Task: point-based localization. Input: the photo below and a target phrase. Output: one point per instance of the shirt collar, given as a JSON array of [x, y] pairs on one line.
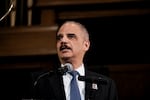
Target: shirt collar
[[81, 70]]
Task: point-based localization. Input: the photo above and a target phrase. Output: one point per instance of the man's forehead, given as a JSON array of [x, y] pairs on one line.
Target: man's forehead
[[69, 28]]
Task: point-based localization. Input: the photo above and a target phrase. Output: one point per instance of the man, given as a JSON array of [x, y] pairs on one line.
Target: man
[[72, 44]]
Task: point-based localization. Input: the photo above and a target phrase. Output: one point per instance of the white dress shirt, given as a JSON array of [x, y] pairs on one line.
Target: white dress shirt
[[81, 84]]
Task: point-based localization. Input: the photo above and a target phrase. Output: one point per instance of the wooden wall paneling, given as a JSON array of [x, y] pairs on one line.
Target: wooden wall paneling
[[78, 2], [76, 9], [48, 17], [100, 13], [21, 41]]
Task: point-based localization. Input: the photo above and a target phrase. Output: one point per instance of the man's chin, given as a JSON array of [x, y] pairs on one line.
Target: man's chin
[[65, 58]]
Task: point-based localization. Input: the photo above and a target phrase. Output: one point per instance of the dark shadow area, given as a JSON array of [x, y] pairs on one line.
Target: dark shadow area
[[18, 74], [15, 84], [118, 39]]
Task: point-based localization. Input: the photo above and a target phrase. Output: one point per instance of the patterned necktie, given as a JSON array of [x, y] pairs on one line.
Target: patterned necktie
[[74, 90]]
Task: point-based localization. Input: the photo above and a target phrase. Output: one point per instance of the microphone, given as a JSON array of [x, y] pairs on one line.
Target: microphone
[[92, 79], [65, 68], [41, 76], [62, 70]]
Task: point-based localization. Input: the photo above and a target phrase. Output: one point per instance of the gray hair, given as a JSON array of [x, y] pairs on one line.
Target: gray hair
[[82, 28]]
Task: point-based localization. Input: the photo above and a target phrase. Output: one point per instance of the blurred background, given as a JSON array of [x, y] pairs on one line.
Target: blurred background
[[119, 32]]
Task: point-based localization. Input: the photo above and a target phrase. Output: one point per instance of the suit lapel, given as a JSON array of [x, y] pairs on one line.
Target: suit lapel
[[87, 86], [58, 87], [87, 90]]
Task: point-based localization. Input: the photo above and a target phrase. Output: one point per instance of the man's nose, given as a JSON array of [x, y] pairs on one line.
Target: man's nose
[[64, 39]]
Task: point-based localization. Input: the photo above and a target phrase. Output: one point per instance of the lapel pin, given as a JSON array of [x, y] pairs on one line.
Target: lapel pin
[[94, 86]]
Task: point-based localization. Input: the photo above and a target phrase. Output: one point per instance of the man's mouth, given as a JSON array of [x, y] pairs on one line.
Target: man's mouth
[[64, 47]]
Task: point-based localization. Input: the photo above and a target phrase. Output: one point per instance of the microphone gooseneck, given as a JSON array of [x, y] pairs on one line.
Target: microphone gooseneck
[[41, 76], [61, 70]]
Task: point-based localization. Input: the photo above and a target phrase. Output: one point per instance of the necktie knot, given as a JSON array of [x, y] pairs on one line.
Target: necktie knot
[[74, 73]]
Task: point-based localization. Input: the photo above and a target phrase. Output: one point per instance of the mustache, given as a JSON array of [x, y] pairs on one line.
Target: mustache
[[62, 47]]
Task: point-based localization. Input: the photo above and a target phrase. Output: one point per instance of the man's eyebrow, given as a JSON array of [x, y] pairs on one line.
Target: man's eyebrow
[[71, 33]]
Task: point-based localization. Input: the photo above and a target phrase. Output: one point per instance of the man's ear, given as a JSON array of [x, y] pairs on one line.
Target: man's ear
[[87, 45]]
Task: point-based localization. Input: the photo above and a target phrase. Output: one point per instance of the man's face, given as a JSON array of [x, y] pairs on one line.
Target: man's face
[[71, 41]]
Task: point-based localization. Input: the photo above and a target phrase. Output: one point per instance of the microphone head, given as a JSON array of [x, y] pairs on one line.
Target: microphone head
[[69, 67], [65, 68]]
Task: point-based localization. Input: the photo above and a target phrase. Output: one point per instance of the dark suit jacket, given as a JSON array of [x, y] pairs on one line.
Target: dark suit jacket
[[50, 87]]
